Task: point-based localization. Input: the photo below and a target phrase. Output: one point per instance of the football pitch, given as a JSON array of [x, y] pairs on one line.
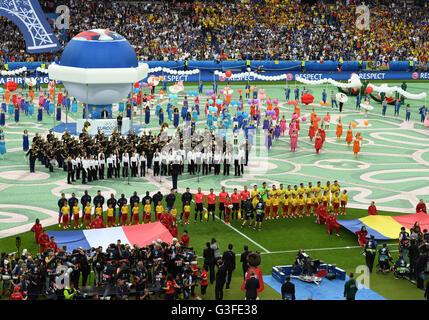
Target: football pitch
[[391, 169]]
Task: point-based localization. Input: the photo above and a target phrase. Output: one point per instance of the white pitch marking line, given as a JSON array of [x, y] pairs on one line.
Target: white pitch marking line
[[242, 234]]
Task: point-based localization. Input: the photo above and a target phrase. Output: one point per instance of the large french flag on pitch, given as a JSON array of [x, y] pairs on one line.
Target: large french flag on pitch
[[386, 227], [141, 235]]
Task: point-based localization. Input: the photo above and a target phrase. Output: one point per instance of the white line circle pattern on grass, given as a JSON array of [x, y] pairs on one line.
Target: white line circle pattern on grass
[[22, 175], [341, 164], [12, 217]]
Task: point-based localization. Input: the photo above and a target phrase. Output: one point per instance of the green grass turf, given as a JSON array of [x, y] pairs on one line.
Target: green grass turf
[[305, 233]]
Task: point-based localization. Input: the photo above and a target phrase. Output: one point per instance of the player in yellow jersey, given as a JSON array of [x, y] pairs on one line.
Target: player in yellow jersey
[[309, 203], [147, 209], [327, 189], [344, 198], [295, 191], [110, 216], [267, 207], [135, 214], [316, 200], [65, 210], [335, 187], [301, 190], [293, 203], [158, 211], [275, 204], [285, 209], [75, 210], [124, 214], [309, 188], [87, 210], [273, 191], [318, 189], [335, 202], [301, 202], [253, 194]]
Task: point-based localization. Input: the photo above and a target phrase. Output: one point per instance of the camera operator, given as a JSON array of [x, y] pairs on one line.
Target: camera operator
[[413, 255], [84, 266], [140, 280], [384, 257], [109, 274], [74, 260], [5, 270], [123, 272], [98, 263], [159, 274], [404, 242], [23, 284], [122, 290], [35, 279], [49, 274], [170, 257], [189, 283], [299, 259]]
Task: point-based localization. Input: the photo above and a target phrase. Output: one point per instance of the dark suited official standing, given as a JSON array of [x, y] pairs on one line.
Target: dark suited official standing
[[243, 260], [209, 260], [252, 286], [220, 280], [229, 259]]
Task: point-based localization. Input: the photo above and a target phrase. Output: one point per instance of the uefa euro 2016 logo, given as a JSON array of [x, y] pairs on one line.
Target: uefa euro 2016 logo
[[31, 21]]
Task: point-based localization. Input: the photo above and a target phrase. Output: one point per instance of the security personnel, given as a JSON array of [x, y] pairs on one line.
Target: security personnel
[[6, 66], [185, 65], [370, 252], [411, 65], [383, 259], [248, 65], [70, 292], [302, 65]]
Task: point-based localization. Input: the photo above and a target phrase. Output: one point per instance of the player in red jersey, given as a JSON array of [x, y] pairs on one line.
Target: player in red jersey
[[37, 229], [228, 209], [199, 203], [211, 204], [244, 195], [222, 198], [97, 223], [53, 245], [184, 238], [43, 240], [331, 224], [235, 197], [321, 213], [362, 236]]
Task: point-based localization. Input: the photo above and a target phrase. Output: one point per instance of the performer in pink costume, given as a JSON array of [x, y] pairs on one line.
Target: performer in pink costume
[[293, 140]]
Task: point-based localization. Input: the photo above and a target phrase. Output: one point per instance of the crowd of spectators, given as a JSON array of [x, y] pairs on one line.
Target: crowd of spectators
[[247, 29], [157, 271]]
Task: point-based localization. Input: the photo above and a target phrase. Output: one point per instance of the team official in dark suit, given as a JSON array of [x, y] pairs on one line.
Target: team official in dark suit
[[229, 259]]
